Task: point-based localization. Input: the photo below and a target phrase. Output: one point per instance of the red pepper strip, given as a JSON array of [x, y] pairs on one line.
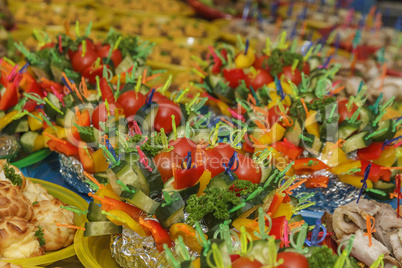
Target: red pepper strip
[[289, 149], [216, 68], [106, 91], [30, 106], [10, 97], [372, 152], [85, 154], [309, 164], [276, 202], [31, 86], [160, 235], [286, 199], [234, 76], [48, 85], [109, 203], [184, 178], [319, 181], [82, 118], [277, 226], [63, 147], [376, 172]]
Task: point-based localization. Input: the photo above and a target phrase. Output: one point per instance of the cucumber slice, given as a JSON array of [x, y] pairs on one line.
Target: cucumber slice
[[223, 249], [27, 141], [223, 181], [312, 144], [168, 214], [124, 65], [128, 176], [292, 134], [99, 228], [386, 187], [356, 142], [49, 110], [101, 177], [385, 130], [259, 250], [95, 213], [185, 193], [346, 129], [139, 199], [17, 126], [365, 117]]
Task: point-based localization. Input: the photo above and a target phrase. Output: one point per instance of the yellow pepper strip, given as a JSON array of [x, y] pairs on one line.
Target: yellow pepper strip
[[355, 181], [33, 123], [39, 143], [51, 131], [100, 163], [311, 124], [119, 217], [204, 180], [106, 191], [251, 226], [275, 134], [197, 263], [333, 155], [7, 119], [188, 234], [285, 209], [387, 157], [345, 166]]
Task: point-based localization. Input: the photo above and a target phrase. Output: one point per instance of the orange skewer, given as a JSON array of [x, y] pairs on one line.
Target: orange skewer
[[70, 226]]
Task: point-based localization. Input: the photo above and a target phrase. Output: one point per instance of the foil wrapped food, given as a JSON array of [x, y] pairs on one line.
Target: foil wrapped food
[[72, 172], [9, 147], [131, 250]]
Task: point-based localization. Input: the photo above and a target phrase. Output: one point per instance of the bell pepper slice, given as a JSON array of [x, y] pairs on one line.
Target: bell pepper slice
[[387, 157], [276, 202], [49, 85], [30, 106], [204, 180], [160, 235], [85, 154], [106, 91], [9, 98], [184, 178], [275, 134], [109, 203], [251, 226], [371, 152], [277, 226], [285, 209], [309, 164], [33, 123], [119, 217], [376, 172], [63, 147], [39, 143], [333, 155], [216, 68], [355, 181], [311, 124], [318, 181], [30, 85], [106, 191], [100, 163], [188, 234], [346, 166], [7, 119], [287, 148]]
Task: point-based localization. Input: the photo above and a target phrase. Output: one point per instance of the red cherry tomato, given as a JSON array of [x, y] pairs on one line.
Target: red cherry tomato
[[234, 76], [131, 102], [214, 161], [294, 76], [343, 110], [244, 262], [306, 68], [89, 45], [292, 260], [182, 146], [274, 114], [91, 73], [226, 150], [100, 113], [248, 170], [262, 78], [157, 96], [164, 162], [163, 118], [262, 63], [116, 56], [81, 63]]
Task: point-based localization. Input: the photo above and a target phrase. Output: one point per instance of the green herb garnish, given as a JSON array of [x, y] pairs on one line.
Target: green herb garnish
[[10, 174], [40, 236]]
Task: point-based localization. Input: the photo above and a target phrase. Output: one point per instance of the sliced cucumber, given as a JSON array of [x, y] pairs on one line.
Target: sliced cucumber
[[99, 228], [17, 126], [356, 142], [223, 181], [185, 193], [168, 214], [292, 134], [152, 178], [88, 134], [137, 198], [101, 177], [125, 173], [124, 65], [346, 129], [95, 213], [386, 187], [223, 249], [365, 117], [49, 110], [27, 141], [312, 144], [259, 250], [386, 130]]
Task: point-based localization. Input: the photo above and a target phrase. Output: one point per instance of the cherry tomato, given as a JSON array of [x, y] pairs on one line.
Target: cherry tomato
[[274, 114], [91, 73], [89, 45], [157, 96], [292, 260], [81, 63], [214, 161], [343, 110], [131, 102], [164, 162], [182, 146], [226, 150], [244, 262], [262, 78], [163, 118], [100, 113], [234, 76], [116, 56], [248, 170], [262, 63], [294, 76]]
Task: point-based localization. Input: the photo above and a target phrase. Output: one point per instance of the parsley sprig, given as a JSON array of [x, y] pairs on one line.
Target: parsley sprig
[[10, 174], [40, 236]]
